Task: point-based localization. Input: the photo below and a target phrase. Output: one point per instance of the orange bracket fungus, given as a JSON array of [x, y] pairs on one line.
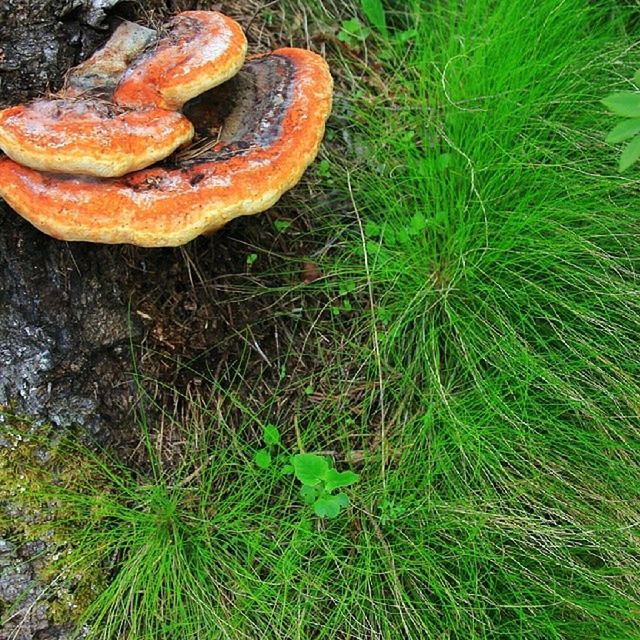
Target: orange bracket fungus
[[201, 50], [256, 134], [118, 110]]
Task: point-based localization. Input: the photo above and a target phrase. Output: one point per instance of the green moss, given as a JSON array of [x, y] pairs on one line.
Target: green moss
[[37, 466]]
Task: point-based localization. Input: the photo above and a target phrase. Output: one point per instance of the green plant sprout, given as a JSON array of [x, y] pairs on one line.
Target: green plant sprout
[[271, 438], [316, 474], [323, 169], [319, 479], [281, 225], [627, 105], [345, 289], [353, 32]]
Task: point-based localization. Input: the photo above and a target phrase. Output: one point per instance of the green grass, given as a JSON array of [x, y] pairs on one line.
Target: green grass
[[486, 385], [502, 250]]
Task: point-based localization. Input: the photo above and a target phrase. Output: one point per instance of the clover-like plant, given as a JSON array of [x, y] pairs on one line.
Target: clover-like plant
[[271, 439], [627, 105], [319, 480], [318, 477]]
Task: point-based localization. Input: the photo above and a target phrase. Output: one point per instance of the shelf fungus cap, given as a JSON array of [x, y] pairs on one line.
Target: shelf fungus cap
[[261, 130], [117, 111], [198, 51], [90, 136]]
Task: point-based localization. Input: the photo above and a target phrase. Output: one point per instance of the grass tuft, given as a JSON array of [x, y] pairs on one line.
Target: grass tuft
[[502, 252]]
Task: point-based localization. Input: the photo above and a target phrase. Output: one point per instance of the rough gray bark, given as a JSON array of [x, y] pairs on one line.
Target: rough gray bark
[[64, 325], [39, 41]]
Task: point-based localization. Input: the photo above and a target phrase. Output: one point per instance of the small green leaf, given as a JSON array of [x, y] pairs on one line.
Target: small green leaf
[[626, 129], [407, 137], [353, 25], [327, 507], [630, 154], [373, 248], [287, 470], [403, 237], [324, 169], [309, 494], [389, 236], [404, 36], [418, 223], [270, 435], [625, 103], [441, 216], [352, 31], [262, 458], [385, 315], [372, 230], [251, 258], [374, 11], [347, 286], [443, 161], [309, 468], [336, 479], [281, 225]]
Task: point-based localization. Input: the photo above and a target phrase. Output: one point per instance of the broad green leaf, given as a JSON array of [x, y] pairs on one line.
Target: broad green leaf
[[626, 129], [342, 499], [441, 216], [630, 154], [336, 479], [262, 458], [309, 468], [353, 25], [326, 507], [347, 287], [373, 248], [270, 435], [309, 494], [374, 11], [324, 169], [625, 103]]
